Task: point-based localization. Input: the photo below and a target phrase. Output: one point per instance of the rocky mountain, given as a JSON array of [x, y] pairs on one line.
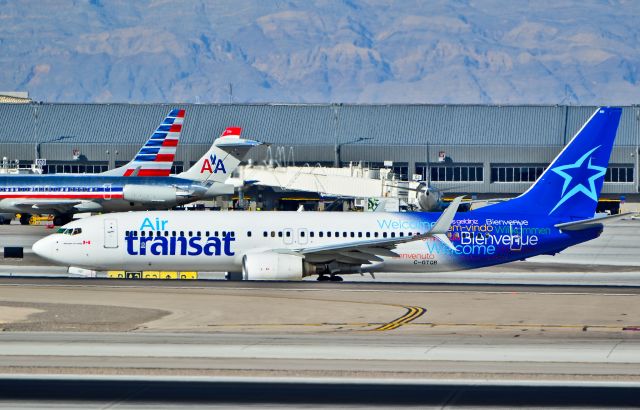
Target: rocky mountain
[[365, 51]]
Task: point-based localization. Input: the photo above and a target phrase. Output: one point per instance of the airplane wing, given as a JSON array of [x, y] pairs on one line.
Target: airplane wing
[[46, 205], [591, 222], [368, 251]]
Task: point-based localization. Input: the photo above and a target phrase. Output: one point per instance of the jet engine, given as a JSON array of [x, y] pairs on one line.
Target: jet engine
[[275, 266], [429, 199], [149, 194]]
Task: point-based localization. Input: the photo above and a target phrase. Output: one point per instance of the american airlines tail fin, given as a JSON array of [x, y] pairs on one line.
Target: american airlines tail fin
[[156, 155], [222, 159], [569, 188]]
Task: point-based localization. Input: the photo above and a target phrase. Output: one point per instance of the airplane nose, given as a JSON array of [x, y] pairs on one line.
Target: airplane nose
[[45, 248]]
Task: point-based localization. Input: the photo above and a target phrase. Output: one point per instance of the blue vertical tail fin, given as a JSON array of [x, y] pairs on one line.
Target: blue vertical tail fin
[[569, 188]]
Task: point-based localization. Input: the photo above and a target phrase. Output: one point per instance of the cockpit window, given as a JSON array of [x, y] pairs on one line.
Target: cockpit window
[[69, 231]]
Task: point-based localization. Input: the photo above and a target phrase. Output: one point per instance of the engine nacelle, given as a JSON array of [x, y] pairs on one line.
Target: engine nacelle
[[275, 266], [429, 199], [149, 193]]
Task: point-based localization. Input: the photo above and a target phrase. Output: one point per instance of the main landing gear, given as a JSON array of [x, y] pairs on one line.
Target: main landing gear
[[24, 219], [329, 278], [60, 220]]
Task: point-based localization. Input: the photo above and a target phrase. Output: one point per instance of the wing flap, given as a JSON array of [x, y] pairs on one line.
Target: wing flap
[[55, 205]]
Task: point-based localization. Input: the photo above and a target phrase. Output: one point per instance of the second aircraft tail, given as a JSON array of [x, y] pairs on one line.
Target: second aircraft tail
[[222, 159]]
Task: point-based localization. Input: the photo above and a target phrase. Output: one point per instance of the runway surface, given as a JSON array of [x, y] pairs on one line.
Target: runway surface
[[509, 335], [319, 329]]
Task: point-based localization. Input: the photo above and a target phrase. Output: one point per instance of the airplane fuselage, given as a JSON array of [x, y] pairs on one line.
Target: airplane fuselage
[[218, 241], [94, 193]]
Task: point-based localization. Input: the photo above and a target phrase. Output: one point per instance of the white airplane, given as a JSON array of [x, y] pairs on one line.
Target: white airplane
[[64, 195], [556, 212]]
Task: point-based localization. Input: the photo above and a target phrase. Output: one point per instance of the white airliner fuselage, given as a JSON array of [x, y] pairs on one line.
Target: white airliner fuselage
[[556, 212]]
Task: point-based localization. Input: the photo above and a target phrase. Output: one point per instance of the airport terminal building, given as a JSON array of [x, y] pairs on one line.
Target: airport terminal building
[[487, 150]]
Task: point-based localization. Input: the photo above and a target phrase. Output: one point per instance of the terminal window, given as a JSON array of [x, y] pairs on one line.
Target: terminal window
[[511, 173], [451, 173], [619, 173], [75, 168]]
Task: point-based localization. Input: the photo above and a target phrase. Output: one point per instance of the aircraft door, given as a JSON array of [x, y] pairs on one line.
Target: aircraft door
[[110, 233], [302, 236], [288, 236], [516, 236], [106, 191]]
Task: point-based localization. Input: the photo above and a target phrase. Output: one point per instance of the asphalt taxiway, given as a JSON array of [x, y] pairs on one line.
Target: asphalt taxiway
[[527, 333], [58, 325]]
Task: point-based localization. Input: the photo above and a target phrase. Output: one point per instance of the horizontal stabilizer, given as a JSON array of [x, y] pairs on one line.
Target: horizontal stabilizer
[[590, 223], [444, 222]]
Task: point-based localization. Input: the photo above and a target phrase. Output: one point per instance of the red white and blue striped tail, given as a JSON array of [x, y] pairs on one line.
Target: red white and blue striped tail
[[156, 157]]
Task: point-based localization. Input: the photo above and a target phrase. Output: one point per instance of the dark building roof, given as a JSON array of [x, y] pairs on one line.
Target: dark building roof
[[304, 124]]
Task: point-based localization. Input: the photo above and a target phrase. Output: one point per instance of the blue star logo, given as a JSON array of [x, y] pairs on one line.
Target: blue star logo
[[580, 172]]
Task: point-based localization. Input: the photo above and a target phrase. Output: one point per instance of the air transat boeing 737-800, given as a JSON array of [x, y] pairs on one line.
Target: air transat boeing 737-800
[[556, 212]]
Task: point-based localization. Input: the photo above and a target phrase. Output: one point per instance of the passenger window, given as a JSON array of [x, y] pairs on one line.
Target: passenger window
[[198, 233], [311, 234], [181, 233], [288, 233], [320, 234], [273, 234], [359, 234], [279, 234], [142, 233], [207, 233], [329, 234], [264, 233], [393, 234], [190, 233], [344, 234], [215, 233], [302, 234], [375, 234], [384, 234], [173, 233], [166, 233], [249, 234], [368, 234]]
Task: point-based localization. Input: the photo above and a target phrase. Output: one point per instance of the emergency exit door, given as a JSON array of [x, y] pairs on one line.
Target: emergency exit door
[[110, 233]]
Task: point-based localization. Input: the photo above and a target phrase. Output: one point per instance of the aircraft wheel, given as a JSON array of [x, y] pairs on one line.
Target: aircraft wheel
[[58, 220], [335, 278], [24, 219], [323, 278]]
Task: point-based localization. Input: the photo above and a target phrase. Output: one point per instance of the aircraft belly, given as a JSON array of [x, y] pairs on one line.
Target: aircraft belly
[[173, 262], [416, 257]]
